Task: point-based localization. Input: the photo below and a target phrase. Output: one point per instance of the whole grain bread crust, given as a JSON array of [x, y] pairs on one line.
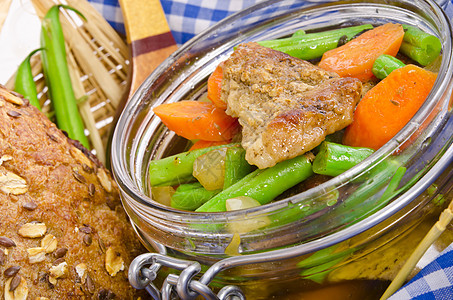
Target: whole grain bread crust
[[63, 231]]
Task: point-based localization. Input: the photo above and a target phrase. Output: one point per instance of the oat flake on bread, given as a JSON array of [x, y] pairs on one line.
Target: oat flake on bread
[[59, 210]]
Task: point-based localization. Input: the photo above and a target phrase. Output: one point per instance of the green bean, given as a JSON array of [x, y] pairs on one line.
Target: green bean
[[190, 196], [298, 33], [24, 83], [236, 166], [313, 45], [333, 159], [360, 203], [369, 184], [420, 46], [56, 73], [389, 192], [317, 266], [177, 168], [263, 185], [385, 64]]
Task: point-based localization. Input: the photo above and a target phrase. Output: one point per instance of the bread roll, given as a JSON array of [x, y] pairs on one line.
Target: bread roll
[[63, 231]]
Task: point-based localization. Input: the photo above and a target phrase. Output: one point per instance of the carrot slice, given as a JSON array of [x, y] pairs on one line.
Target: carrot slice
[[387, 107], [205, 144], [197, 120], [215, 87], [356, 57]]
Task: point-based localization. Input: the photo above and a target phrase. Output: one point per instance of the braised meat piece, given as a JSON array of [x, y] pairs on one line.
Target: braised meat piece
[[286, 106]]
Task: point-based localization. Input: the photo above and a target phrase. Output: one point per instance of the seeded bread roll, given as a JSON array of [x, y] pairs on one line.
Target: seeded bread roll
[[63, 231]]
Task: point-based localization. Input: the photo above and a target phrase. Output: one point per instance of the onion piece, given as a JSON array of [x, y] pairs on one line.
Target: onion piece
[[162, 194], [247, 224], [209, 169]]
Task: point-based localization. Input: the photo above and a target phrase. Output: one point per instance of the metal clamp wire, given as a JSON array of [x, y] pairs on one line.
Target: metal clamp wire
[[167, 288], [230, 291], [182, 286], [138, 279], [195, 288], [141, 277], [153, 291], [203, 290], [200, 289]]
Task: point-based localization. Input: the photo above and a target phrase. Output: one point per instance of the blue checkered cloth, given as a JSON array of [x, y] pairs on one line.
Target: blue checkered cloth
[[435, 281], [187, 18]]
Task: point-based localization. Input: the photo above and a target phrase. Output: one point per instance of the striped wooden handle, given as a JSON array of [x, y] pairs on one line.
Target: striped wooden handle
[[149, 38]]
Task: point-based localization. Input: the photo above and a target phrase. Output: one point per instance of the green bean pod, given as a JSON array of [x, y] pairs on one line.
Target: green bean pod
[[422, 47], [313, 45], [385, 64], [178, 168], [236, 166], [190, 196], [56, 73], [318, 266], [298, 33], [263, 185], [24, 83], [333, 159]]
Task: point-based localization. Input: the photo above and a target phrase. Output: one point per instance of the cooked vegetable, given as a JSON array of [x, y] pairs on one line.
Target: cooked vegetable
[[319, 264], [333, 159], [313, 45], [247, 224], [236, 166], [57, 76], [263, 185], [391, 189], [190, 196], [197, 120], [385, 64], [220, 168], [422, 47], [205, 144], [228, 183], [24, 83], [358, 203], [209, 169], [388, 106], [365, 200], [162, 194], [356, 57], [298, 33], [177, 168], [215, 87]]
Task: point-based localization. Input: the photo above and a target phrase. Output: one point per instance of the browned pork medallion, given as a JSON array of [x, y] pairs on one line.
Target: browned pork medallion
[[63, 232], [286, 106]]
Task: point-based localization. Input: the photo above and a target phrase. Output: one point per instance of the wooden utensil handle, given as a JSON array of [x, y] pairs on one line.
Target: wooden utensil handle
[[149, 37]]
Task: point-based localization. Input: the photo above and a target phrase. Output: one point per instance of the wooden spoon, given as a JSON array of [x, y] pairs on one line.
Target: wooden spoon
[[101, 60], [148, 36]]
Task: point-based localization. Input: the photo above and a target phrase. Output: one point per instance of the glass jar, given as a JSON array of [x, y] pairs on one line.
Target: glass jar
[[311, 243]]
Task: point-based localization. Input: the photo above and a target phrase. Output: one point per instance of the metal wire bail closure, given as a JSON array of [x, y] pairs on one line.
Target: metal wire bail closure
[[144, 269]]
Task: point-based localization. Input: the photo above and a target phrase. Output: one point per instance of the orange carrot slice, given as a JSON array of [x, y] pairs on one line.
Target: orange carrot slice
[[205, 144], [215, 87], [387, 107], [197, 120], [356, 57]]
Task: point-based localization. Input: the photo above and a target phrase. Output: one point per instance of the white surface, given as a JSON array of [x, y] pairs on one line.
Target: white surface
[[18, 37]]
